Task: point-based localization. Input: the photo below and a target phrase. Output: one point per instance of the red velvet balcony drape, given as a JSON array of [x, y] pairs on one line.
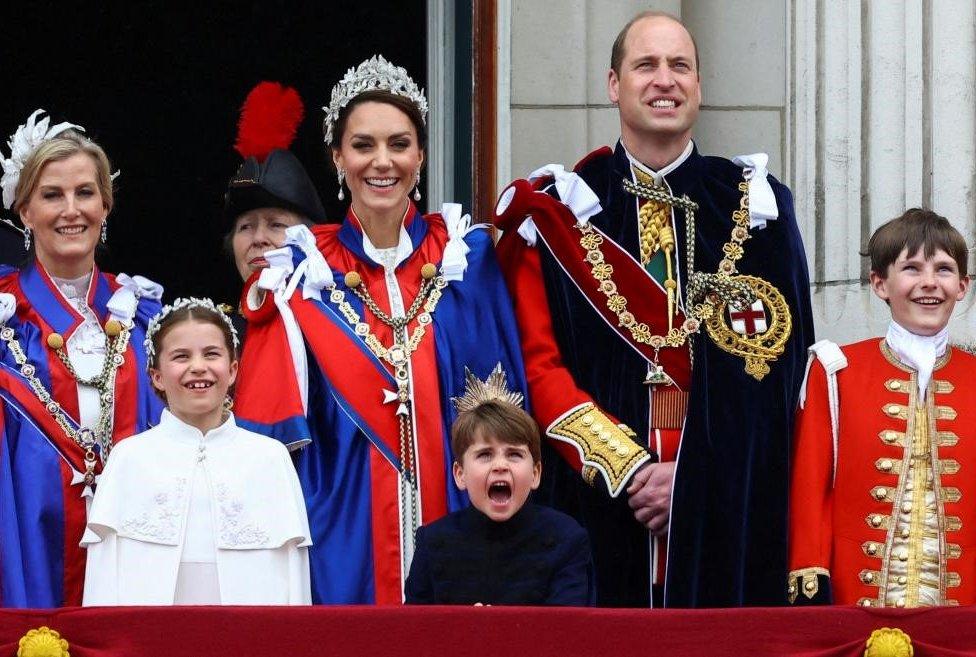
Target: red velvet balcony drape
[[463, 631]]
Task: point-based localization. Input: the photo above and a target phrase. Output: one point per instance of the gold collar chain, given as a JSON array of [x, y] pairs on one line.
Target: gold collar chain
[[398, 356], [116, 342], [704, 292]]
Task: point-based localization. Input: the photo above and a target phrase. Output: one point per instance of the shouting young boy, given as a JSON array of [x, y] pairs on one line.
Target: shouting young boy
[[503, 549], [880, 510]]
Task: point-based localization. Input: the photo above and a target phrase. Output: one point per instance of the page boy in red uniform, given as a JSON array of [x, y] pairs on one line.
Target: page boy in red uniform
[[880, 513]]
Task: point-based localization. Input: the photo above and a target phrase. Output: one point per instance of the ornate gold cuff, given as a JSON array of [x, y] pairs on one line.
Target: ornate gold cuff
[[807, 582], [605, 447]]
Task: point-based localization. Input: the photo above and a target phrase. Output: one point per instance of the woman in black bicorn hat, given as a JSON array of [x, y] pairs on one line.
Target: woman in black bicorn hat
[[271, 190]]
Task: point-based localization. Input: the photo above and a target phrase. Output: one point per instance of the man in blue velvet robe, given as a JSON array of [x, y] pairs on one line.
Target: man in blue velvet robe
[[610, 297]]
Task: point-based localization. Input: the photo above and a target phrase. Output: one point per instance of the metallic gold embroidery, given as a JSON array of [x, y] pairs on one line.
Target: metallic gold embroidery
[[953, 551], [945, 413], [611, 447], [897, 411], [870, 577], [951, 494], [948, 466], [882, 494], [896, 385], [920, 454], [953, 523], [873, 549], [891, 437], [805, 580], [953, 580], [877, 520], [947, 439], [942, 387], [888, 465]]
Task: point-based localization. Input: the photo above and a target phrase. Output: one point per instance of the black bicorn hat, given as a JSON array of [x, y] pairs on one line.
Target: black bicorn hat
[[271, 175]]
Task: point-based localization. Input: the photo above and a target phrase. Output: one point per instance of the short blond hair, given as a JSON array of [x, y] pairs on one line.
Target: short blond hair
[[65, 145]]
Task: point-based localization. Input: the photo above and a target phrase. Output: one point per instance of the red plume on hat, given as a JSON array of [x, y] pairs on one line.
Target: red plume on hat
[[269, 120]]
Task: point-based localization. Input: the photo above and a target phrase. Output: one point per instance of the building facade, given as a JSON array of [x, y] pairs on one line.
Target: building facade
[[865, 107]]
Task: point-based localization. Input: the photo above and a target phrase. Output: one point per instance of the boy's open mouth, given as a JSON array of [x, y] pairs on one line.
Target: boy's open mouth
[[500, 492]]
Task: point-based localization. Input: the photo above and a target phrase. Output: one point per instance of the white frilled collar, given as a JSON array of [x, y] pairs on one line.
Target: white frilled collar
[[403, 248], [658, 176], [917, 351], [187, 434]]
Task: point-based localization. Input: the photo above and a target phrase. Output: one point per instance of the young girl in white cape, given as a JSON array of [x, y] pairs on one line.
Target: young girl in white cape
[[196, 510]]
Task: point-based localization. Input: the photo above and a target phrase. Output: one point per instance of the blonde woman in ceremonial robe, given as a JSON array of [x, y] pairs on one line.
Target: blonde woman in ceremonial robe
[[72, 366], [380, 315]]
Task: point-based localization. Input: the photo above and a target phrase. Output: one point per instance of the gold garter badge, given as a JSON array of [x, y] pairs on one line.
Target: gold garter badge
[[757, 332], [744, 315]]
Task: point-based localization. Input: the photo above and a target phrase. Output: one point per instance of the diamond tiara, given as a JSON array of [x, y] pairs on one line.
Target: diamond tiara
[[374, 74], [183, 302]]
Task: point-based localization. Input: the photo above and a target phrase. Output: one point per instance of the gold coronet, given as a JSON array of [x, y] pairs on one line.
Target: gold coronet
[[477, 392], [42, 642], [888, 642]]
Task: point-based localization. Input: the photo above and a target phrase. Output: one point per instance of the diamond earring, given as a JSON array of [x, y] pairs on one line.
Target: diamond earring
[[341, 174], [27, 238], [416, 187], [105, 231]]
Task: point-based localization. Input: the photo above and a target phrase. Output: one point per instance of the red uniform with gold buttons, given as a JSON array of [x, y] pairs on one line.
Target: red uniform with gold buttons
[[885, 517]]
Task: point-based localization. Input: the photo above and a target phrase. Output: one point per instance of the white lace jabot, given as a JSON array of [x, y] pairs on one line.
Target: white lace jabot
[[85, 346], [917, 351]]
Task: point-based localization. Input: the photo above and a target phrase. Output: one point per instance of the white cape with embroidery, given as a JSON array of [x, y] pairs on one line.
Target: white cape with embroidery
[[137, 525]]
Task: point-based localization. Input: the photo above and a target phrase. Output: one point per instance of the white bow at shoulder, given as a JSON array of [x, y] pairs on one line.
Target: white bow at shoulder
[[125, 300], [455, 260], [573, 192], [8, 306], [316, 271], [762, 201]]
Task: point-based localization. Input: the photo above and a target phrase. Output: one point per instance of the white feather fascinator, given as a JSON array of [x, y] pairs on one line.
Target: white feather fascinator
[[21, 144]]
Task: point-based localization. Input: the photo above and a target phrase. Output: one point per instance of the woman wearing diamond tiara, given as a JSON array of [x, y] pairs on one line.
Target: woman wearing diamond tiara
[[381, 315], [72, 366], [196, 510]]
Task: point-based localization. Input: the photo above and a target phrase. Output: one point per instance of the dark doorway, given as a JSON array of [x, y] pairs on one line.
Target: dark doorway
[[159, 84]]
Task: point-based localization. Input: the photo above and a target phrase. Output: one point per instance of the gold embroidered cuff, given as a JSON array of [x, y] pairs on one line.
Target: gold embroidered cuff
[[805, 580], [603, 446]]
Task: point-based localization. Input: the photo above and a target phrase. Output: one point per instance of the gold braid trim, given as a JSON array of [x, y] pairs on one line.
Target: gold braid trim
[[807, 582], [610, 448]]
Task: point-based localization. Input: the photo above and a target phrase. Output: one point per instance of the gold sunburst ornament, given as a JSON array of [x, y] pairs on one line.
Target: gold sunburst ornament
[[888, 642], [477, 392], [42, 642]]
